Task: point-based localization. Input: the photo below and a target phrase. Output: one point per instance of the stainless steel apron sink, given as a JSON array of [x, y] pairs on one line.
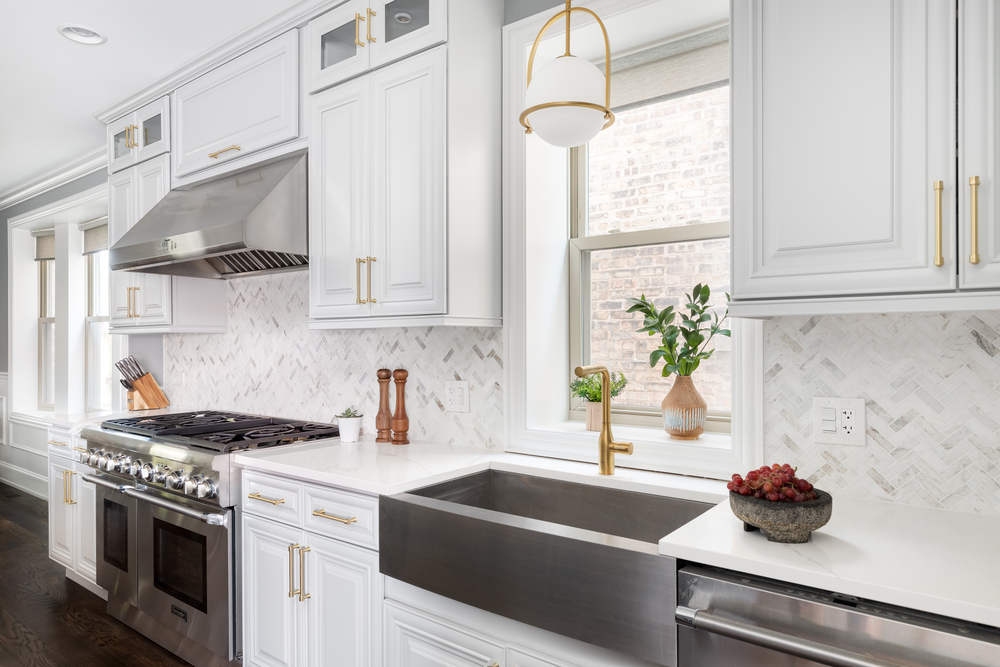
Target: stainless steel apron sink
[[575, 559]]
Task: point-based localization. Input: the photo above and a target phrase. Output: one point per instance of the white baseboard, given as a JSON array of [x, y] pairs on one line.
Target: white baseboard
[[86, 583], [24, 480]]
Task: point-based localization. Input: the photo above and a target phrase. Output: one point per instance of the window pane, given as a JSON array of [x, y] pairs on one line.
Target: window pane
[[99, 275], [660, 165], [47, 340], [99, 375], [49, 297], [664, 273]]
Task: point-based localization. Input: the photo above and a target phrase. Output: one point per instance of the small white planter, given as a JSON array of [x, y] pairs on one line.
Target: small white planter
[[350, 428]]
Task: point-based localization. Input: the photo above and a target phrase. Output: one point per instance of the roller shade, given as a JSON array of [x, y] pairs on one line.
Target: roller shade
[[45, 246], [95, 239]]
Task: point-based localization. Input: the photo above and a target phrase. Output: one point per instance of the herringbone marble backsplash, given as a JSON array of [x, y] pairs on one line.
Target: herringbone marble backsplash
[[932, 385], [270, 363]]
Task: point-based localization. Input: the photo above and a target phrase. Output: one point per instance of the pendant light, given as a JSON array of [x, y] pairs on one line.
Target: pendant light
[[569, 100]]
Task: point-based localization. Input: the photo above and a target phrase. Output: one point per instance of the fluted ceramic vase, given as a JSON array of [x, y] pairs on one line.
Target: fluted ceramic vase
[[684, 410]]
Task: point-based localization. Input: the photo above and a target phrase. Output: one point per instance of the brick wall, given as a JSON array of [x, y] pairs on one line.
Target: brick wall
[[661, 165]]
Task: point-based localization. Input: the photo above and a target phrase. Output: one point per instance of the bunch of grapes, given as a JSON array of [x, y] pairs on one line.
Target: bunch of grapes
[[777, 483]]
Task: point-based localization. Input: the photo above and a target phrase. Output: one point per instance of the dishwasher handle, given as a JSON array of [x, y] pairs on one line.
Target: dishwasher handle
[[210, 518], [701, 619]]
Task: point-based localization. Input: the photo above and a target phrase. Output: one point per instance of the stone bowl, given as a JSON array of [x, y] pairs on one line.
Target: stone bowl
[[788, 523]]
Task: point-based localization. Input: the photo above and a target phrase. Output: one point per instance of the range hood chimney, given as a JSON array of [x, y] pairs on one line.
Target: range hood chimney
[[246, 222]]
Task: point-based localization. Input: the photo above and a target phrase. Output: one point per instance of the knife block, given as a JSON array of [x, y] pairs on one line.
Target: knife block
[[146, 395]]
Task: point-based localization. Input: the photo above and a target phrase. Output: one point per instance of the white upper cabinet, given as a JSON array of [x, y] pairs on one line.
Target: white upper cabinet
[[245, 105], [836, 150], [361, 35], [139, 136]]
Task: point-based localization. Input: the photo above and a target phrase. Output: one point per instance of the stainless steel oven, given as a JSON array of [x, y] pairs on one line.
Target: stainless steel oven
[[167, 565]]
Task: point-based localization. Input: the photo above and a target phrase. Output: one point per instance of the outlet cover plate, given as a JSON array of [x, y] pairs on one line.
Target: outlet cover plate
[[456, 396], [846, 416]]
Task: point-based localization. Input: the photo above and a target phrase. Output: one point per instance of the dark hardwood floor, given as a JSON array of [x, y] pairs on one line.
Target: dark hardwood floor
[[46, 620]]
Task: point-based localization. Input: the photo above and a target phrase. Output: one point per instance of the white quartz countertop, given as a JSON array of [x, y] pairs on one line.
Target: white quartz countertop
[[931, 560], [387, 469]]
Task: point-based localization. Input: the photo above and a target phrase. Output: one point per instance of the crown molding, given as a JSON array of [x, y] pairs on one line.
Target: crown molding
[[86, 164], [268, 29]]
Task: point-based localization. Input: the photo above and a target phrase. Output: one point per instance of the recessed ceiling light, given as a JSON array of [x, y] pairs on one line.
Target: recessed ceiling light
[[81, 34]]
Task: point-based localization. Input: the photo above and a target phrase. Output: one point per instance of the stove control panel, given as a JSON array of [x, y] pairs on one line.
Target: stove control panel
[[167, 474]]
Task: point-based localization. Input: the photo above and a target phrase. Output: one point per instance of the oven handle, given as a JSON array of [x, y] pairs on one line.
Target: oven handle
[[701, 619], [210, 518]]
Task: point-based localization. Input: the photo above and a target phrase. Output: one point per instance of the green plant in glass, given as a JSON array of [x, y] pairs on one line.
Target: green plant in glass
[[589, 388], [683, 346]]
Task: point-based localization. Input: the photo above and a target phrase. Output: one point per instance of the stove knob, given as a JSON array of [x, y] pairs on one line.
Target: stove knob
[[175, 480], [191, 484], [135, 468], [102, 460], [92, 457], [160, 474], [206, 488], [147, 472], [123, 463]]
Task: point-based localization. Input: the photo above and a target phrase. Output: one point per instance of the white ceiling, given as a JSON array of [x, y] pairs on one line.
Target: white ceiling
[[50, 87]]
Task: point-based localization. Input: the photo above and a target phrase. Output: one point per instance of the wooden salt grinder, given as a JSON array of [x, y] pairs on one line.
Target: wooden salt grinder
[[383, 420], [400, 422]]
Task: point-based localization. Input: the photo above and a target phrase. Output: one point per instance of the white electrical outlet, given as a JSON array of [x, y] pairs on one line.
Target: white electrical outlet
[[456, 396], [839, 421]]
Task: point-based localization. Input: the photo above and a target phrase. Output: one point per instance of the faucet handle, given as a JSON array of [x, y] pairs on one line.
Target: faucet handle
[[621, 447]]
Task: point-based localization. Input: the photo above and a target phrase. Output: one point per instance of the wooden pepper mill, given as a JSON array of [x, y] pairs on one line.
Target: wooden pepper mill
[[383, 420], [400, 422]]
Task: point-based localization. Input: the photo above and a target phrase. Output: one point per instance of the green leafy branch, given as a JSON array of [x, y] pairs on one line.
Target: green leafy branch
[[683, 346], [589, 388]]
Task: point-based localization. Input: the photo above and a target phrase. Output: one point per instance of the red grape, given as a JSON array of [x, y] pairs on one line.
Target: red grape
[[776, 482]]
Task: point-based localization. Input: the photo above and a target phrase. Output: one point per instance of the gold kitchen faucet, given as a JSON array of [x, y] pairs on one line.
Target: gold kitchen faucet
[[606, 445]]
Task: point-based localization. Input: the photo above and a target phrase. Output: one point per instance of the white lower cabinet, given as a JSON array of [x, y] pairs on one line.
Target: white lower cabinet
[[415, 640], [308, 599], [62, 514], [72, 512]]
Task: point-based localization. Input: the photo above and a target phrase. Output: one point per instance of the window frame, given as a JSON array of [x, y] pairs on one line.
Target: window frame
[[91, 386], [43, 319]]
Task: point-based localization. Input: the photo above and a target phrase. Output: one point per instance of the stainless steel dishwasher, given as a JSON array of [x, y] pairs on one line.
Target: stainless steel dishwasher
[[726, 619]]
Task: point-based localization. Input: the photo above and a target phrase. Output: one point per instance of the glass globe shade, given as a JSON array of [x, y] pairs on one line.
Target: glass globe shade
[[566, 79]]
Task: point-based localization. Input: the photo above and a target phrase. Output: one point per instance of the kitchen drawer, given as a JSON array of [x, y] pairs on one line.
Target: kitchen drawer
[[362, 512], [272, 497], [60, 443], [248, 104]]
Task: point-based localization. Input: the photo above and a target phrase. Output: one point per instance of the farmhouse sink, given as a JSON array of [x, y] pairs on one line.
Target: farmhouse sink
[[575, 559]]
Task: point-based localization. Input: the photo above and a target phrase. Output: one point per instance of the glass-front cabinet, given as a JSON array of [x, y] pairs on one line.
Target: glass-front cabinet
[[139, 136], [365, 34]]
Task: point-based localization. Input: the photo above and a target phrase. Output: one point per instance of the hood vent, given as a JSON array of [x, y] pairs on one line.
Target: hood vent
[[246, 222]]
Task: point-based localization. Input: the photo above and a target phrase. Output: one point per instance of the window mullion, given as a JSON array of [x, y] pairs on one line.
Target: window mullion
[[697, 232]]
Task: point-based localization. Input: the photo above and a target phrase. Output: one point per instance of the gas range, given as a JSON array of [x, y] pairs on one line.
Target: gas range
[[189, 453]]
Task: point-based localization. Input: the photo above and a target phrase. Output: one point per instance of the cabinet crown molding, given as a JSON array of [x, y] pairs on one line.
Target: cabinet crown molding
[[86, 164], [295, 16]]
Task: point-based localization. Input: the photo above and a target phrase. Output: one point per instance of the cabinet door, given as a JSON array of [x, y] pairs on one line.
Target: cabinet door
[[121, 154], [121, 217], [526, 658], [270, 625], [836, 152], [415, 640], [338, 42], [151, 300], [339, 200], [247, 104], [402, 27], [61, 513], [152, 136], [979, 147], [85, 494], [408, 186], [346, 601]]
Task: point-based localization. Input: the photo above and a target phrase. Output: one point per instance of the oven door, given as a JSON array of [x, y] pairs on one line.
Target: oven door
[[186, 572], [117, 570]]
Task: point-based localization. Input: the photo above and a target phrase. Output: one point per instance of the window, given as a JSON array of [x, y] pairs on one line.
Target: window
[[46, 326], [99, 376], [650, 215]]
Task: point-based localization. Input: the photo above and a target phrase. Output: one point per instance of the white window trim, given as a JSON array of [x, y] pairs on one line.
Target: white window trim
[[714, 455]]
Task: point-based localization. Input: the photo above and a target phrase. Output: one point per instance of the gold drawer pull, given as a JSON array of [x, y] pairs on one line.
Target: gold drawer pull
[[303, 596], [80, 449], [216, 154], [256, 496], [974, 206], [56, 443], [292, 591], [323, 515], [938, 255]]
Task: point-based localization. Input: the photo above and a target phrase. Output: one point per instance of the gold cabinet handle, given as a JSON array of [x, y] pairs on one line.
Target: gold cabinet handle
[[135, 303], [79, 449], [358, 18], [135, 142], [216, 154], [292, 591], [371, 13], [303, 596], [128, 136], [974, 210], [69, 487], [56, 443], [938, 255], [323, 515], [358, 262], [64, 485], [371, 260], [256, 496]]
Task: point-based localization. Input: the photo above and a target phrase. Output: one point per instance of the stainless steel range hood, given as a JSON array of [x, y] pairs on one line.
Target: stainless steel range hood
[[248, 221]]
